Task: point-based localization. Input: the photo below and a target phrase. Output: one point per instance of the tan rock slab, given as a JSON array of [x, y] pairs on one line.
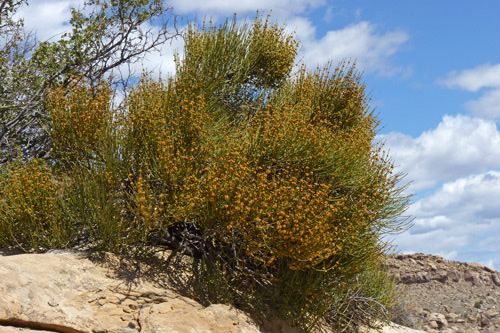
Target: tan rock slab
[[66, 292]]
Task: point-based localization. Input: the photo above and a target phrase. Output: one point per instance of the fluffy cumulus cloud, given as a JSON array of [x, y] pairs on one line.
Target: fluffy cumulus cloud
[[487, 106], [460, 221], [486, 76], [459, 146], [455, 170], [475, 79], [360, 42]]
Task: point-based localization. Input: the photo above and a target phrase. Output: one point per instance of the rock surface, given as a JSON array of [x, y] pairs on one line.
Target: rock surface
[[69, 292], [446, 296], [66, 292], [72, 292]]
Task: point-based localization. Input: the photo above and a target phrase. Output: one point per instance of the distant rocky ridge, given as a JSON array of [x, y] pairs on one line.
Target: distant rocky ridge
[[70, 292], [446, 296]]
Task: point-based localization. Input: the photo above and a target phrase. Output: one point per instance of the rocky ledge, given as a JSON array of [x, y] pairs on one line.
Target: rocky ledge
[[446, 296], [72, 292]]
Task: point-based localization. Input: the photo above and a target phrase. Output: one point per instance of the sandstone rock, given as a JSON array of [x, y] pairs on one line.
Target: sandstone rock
[[475, 266], [393, 328], [451, 317], [437, 320], [488, 269], [452, 329], [416, 277], [495, 279], [433, 324], [454, 276], [484, 320], [440, 276], [10, 329], [471, 276], [492, 313], [67, 292], [171, 316]]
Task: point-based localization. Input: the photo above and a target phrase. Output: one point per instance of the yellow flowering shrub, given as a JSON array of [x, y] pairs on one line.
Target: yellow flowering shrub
[[267, 178]]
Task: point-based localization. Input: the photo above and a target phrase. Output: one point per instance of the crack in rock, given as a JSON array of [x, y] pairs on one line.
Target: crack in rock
[[34, 325]]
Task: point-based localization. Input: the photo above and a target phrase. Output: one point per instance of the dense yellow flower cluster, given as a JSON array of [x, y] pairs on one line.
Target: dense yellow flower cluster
[[80, 116], [29, 210]]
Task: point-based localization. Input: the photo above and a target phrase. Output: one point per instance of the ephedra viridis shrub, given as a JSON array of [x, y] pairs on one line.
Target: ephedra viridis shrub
[[290, 184], [269, 180]]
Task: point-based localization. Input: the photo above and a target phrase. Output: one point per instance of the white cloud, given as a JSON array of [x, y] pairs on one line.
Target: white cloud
[[460, 220], [487, 106], [359, 42], [485, 76], [48, 18], [459, 146]]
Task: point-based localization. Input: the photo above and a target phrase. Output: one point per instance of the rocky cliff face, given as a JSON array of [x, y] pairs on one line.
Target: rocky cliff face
[[446, 296]]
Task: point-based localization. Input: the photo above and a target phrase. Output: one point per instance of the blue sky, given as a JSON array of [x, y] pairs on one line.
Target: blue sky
[[433, 70]]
